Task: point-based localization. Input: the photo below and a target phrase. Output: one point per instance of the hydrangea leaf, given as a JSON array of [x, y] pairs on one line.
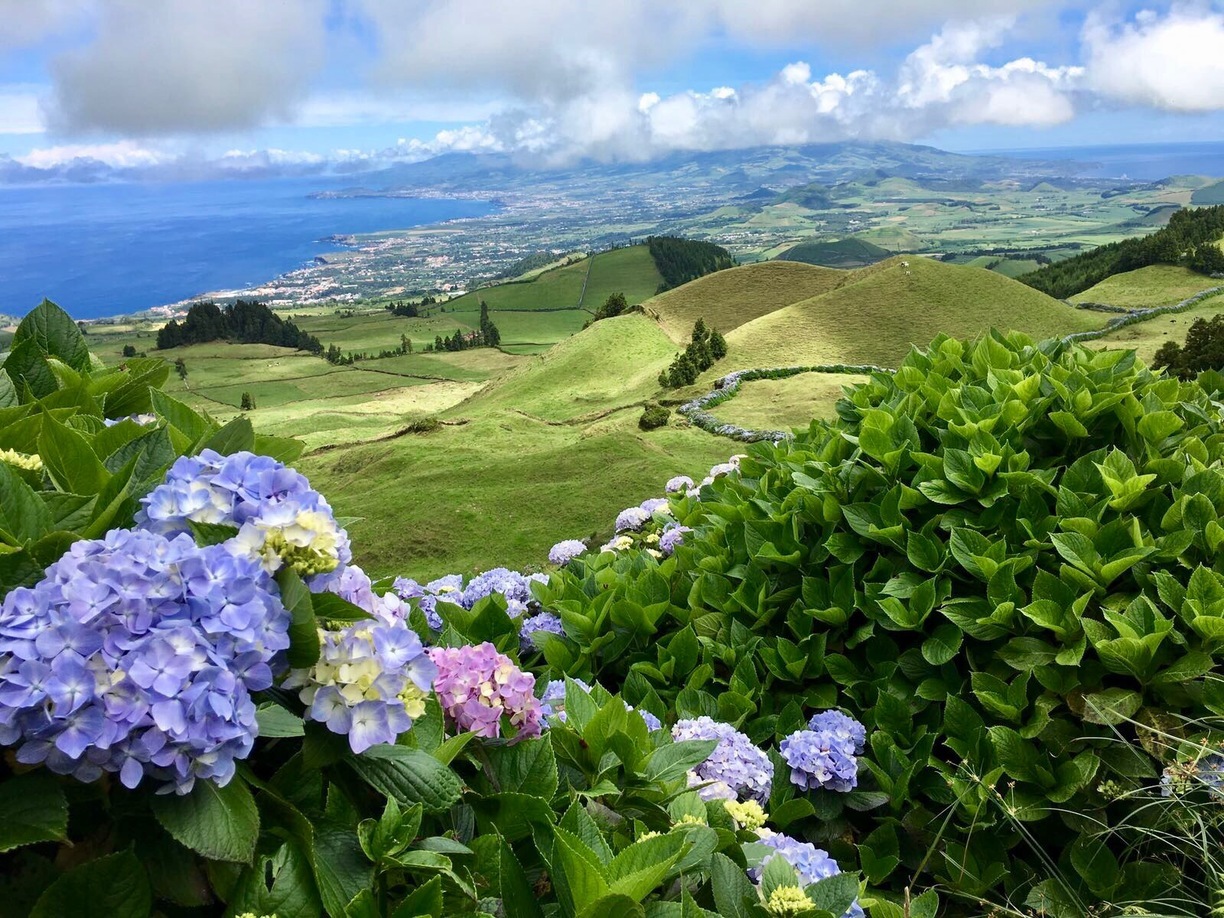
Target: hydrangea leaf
[[55, 334], [221, 823], [109, 887], [409, 775], [35, 810]]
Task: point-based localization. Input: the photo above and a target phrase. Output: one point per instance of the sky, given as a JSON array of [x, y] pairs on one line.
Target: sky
[[192, 87]]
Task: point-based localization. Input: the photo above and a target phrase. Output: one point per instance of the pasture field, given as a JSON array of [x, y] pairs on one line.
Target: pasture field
[[558, 288], [786, 404], [1155, 285], [1145, 338], [628, 270]]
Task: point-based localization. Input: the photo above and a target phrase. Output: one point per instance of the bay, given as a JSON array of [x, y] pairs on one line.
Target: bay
[[111, 249]]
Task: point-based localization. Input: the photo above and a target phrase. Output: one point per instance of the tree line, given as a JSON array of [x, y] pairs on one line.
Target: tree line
[[1203, 350], [486, 335], [245, 321], [1191, 239], [704, 348], [684, 260]]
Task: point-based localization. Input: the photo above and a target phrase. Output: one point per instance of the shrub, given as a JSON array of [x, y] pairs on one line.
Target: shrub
[[654, 417], [1003, 560]]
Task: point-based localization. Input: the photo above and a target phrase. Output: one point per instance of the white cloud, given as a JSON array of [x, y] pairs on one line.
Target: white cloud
[[188, 66], [1171, 62], [124, 154], [26, 22]]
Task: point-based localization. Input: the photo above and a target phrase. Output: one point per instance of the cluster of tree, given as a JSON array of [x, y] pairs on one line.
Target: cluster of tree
[[245, 321], [129, 350], [705, 347], [1203, 350], [684, 260], [1191, 239], [248, 402], [486, 336], [334, 355], [614, 305], [410, 310]]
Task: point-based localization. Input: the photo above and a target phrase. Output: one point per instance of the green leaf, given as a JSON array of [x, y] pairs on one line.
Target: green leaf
[[55, 334], [943, 644], [235, 437], [332, 608], [639, 868], [1111, 706], [8, 392], [115, 886], [409, 775], [614, 906], [674, 760], [34, 810], [577, 870], [291, 893], [528, 766], [221, 823], [834, 894], [734, 894], [27, 367], [275, 722], [304, 644], [178, 415], [506, 876], [340, 868], [22, 515], [212, 533], [69, 460], [426, 899]]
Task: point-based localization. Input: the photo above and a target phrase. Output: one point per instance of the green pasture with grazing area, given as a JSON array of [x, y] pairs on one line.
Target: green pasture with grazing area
[[785, 404], [630, 270], [1155, 285], [1145, 338], [500, 490]]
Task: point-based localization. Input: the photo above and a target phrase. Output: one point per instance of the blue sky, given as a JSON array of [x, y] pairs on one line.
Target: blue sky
[[274, 84]]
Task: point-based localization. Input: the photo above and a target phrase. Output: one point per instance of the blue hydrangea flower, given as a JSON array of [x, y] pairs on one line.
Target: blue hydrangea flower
[[678, 484], [812, 864], [735, 761], [841, 726], [370, 682], [655, 505], [564, 552], [820, 759], [544, 621], [136, 655], [280, 518]]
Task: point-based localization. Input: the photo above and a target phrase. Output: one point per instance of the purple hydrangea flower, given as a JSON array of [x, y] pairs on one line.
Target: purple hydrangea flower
[[632, 519], [563, 553], [655, 505], [735, 761], [370, 682], [812, 864], [544, 621], [678, 484], [820, 759], [280, 518], [354, 585], [483, 691], [136, 655], [841, 726], [672, 537]]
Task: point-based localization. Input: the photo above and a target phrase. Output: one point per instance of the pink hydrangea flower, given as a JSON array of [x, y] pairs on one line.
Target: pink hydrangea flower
[[482, 690]]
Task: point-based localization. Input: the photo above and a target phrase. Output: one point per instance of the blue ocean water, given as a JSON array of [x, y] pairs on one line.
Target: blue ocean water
[[104, 250], [1140, 162]]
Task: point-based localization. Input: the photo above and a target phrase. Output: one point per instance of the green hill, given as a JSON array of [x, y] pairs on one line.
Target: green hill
[[1211, 194], [844, 253], [613, 363], [1155, 285], [728, 299], [878, 313]]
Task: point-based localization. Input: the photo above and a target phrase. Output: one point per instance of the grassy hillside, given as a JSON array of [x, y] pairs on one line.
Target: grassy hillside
[[613, 363], [728, 299], [881, 311], [783, 404], [1211, 194], [844, 253], [1147, 337], [630, 271], [1155, 285]]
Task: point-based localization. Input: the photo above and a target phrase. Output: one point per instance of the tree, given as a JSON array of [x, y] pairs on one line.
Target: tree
[[129, 350], [718, 345], [181, 368], [248, 402]]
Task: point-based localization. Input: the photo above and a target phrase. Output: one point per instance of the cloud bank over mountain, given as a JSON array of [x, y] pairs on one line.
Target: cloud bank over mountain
[[559, 80]]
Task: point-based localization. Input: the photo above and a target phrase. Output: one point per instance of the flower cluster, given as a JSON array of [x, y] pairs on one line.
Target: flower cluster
[[748, 814], [678, 484], [29, 462], [543, 621], [564, 552], [280, 518], [483, 691], [672, 537], [788, 901], [825, 754], [718, 471], [370, 682], [137, 654], [632, 519], [552, 703], [736, 768], [811, 863], [1203, 772], [513, 586]]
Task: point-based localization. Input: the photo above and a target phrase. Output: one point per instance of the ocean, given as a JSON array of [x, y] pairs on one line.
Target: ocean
[[1139, 162], [110, 249]]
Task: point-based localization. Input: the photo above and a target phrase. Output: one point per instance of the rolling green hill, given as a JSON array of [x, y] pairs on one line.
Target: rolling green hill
[[878, 313], [728, 299], [1211, 194], [1155, 285], [844, 253]]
